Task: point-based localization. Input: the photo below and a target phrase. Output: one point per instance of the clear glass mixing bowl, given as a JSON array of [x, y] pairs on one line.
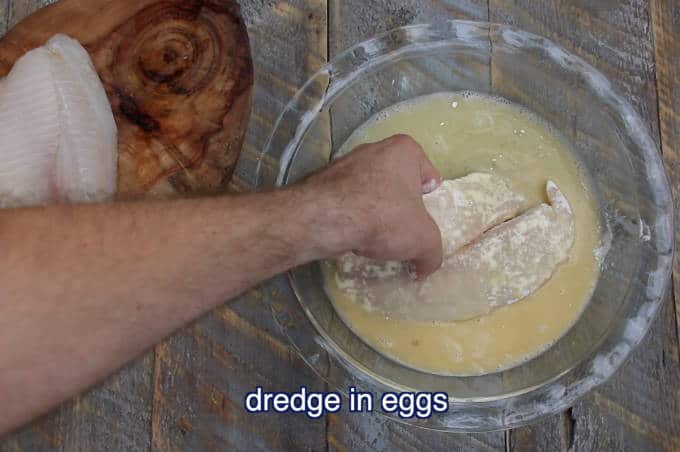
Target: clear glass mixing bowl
[[610, 140]]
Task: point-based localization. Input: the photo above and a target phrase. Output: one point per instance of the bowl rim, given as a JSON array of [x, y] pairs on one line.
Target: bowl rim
[[558, 393]]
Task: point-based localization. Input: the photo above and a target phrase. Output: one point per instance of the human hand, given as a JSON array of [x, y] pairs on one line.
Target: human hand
[[371, 203]]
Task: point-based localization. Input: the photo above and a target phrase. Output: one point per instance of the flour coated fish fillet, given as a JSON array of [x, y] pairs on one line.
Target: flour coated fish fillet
[[58, 137], [462, 209], [504, 265]]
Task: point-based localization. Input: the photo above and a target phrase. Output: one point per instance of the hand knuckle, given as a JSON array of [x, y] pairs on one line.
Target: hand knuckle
[[403, 140]]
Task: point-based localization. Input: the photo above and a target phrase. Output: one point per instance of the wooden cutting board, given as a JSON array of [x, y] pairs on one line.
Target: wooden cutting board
[[179, 77]]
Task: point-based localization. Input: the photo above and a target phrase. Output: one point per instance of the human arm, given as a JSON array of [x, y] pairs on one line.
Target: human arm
[[84, 289]]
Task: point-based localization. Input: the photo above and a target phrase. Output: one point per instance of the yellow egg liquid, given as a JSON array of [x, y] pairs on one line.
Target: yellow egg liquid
[[463, 133]]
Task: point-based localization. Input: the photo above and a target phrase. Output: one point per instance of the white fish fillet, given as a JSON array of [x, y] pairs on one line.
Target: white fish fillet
[[29, 132], [462, 208], [58, 137], [87, 158], [506, 264]]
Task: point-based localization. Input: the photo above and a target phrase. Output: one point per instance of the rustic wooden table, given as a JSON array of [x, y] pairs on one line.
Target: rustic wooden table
[[187, 394]]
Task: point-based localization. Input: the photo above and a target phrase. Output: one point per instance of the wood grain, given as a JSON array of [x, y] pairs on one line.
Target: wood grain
[[354, 21], [280, 69], [16, 10], [639, 406], [115, 416], [548, 435], [178, 75], [4, 13]]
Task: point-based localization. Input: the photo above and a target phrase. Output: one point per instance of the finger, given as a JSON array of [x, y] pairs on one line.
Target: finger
[[429, 176], [430, 256], [400, 139]]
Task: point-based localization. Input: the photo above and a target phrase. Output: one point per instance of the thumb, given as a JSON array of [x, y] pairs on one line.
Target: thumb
[[430, 256]]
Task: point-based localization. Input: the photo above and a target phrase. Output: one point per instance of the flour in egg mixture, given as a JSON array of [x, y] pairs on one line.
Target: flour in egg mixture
[[465, 133]]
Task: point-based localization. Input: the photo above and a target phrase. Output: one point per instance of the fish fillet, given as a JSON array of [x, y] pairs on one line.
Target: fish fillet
[[87, 157], [29, 131], [462, 208], [58, 137], [503, 266]]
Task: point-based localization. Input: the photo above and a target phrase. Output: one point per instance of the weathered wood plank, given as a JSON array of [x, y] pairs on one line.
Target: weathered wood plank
[[613, 36], [4, 16], [203, 373], [666, 26], [548, 435], [201, 379], [639, 406], [354, 21], [289, 43], [16, 10], [113, 416]]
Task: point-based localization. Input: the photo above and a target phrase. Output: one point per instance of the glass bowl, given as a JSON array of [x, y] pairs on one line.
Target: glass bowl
[[610, 140]]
